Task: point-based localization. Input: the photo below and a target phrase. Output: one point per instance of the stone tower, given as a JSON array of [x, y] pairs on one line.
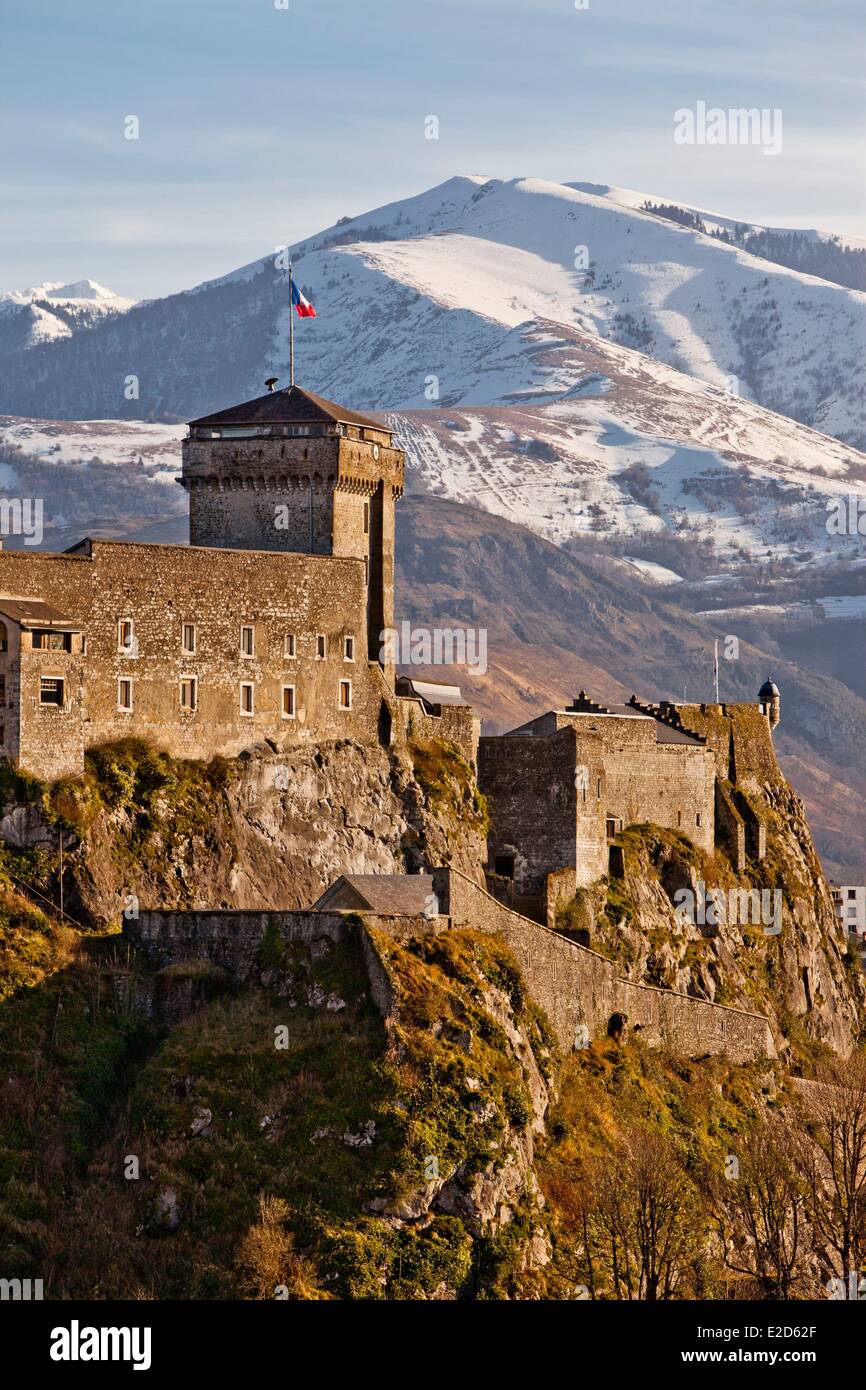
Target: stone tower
[[770, 702], [292, 471]]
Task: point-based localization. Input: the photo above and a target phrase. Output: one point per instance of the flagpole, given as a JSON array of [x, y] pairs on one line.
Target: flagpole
[[716, 668], [291, 330]]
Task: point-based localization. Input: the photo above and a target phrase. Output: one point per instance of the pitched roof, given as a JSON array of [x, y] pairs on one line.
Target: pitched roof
[[666, 734], [32, 612], [404, 895], [291, 406]]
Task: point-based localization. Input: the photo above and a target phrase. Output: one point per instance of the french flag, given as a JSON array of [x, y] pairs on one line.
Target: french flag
[[303, 306]]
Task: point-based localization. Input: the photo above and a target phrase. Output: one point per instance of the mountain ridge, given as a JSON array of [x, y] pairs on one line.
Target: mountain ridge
[[431, 286]]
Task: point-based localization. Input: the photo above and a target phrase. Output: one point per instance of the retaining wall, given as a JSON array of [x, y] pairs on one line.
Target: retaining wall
[[580, 991]]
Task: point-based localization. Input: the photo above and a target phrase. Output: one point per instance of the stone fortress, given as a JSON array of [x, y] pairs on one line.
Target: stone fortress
[[268, 629]]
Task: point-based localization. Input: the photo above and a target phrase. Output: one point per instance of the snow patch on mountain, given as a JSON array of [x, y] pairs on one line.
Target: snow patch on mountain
[[133, 443]]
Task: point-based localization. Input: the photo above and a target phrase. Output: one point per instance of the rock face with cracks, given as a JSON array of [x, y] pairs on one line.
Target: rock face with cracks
[[264, 830]]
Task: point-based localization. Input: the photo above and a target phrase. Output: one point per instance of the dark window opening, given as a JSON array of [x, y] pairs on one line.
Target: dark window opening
[[503, 865], [52, 641], [50, 691]]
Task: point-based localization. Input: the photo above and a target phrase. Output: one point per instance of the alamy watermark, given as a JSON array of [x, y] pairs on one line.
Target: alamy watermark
[[846, 516], [436, 646], [737, 126], [22, 516], [732, 907]]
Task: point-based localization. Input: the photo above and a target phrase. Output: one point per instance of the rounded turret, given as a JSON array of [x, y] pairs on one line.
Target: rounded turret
[[769, 700]]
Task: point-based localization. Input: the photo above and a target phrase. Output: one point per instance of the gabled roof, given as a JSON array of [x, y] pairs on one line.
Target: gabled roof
[[33, 612], [291, 406], [403, 895]]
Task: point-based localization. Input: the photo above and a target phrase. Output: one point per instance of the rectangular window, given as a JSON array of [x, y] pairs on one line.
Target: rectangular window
[[188, 693], [289, 645], [126, 637], [698, 818], [852, 893], [321, 646], [187, 639], [52, 641], [288, 702], [248, 641], [124, 694], [366, 518], [345, 694], [247, 698], [348, 649], [2, 690], [50, 690]]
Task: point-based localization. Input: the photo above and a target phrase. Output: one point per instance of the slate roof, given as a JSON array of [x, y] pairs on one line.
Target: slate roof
[[291, 406], [665, 732], [32, 612], [390, 894]]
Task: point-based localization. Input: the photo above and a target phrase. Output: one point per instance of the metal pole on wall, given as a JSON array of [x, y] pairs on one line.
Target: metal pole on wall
[[291, 329]]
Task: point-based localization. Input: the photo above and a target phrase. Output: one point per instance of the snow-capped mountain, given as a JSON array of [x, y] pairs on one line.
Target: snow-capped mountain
[[716, 221], [53, 310], [477, 292], [635, 447]]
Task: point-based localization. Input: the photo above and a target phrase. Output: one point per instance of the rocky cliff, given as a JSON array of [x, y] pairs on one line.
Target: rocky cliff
[[264, 830], [767, 940]]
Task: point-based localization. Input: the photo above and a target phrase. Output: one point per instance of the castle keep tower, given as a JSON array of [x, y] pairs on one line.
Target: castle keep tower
[[292, 471]]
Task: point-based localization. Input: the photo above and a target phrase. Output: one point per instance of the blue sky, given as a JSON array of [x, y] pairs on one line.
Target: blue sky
[[261, 125]]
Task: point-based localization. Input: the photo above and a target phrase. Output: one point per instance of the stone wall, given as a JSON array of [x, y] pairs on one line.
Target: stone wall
[[233, 939], [580, 989], [530, 786], [740, 738], [730, 826], [552, 793], [160, 588], [456, 724]]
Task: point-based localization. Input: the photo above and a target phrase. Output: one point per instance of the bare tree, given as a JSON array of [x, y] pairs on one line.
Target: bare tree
[[759, 1211], [646, 1229], [832, 1116]]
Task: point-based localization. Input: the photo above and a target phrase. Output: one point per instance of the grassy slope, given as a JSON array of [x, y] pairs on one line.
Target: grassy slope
[[606, 1092], [277, 1187]]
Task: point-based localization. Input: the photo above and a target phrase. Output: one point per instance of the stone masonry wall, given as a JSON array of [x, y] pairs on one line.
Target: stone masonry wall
[[456, 724], [162, 587], [552, 794], [740, 738], [578, 988], [530, 783]]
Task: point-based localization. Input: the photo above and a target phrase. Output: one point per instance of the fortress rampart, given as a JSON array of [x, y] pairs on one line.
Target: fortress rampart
[[581, 991]]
